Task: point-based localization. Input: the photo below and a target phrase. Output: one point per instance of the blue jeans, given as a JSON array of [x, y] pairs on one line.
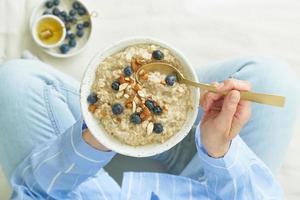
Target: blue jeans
[[38, 103]]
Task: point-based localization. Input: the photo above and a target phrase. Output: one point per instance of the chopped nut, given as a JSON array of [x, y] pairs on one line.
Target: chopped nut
[[163, 82], [166, 107], [131, 81], [126, 96], [123, 86], [133, 106], [127, 79], [134, 65], [142, 72], [146, 111], [137, 87], [145, 77], [119, 94], [119, 119], [128, 105], [92, 108], [150, 127], [140, 60], [122, 79]]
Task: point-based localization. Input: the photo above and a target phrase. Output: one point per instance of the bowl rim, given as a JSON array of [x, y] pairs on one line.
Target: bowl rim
[[34, 31], [134, 151]]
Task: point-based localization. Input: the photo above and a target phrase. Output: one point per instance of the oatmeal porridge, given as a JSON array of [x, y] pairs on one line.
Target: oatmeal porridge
[[139, 114]]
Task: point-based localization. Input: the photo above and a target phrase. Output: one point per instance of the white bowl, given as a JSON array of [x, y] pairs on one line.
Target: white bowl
[[35, 33], [97, 129]]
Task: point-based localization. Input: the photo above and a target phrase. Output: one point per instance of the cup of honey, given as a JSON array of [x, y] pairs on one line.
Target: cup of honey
[[48, 31]]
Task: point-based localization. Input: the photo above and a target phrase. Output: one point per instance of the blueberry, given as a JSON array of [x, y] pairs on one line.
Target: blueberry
[[157, 110], [117, 109], [79, 33], [149, 104], [158, 55], [86, 24], [56, 2], [49, 4], [71, 36], [46, 12], [68, 27], [158, 128], [64, 48], [92, 98], [68, 18], [56, 11], [79, 26], [63, 14], [72, 12], [128, 71], [81, 11], [76, 5], [171, 79], [72, 43], [135, 118], [115, 85]]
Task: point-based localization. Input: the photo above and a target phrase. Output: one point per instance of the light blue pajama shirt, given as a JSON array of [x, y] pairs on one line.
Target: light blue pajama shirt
[[68, 168]]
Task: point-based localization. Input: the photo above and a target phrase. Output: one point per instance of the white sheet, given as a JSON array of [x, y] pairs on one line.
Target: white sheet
[[206, 31]]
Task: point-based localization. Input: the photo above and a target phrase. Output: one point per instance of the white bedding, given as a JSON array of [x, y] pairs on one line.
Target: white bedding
[[206, 31]]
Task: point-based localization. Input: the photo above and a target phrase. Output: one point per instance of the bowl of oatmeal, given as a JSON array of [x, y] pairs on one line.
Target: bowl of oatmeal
[[132, 118]]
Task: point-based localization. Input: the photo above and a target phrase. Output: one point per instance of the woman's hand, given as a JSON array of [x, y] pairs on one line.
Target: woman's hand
[[92, 141], [224, 116]]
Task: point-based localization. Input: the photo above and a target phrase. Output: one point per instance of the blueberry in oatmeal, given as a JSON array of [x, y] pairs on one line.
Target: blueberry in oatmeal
[[92, 98], [158, 55], [117, 109], [135, 118], [149, 104], [158, 128], [115, 85], [128, 71], [171, 79]]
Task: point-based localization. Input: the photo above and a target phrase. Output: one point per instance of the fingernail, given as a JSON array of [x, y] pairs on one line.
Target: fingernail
[[234, 97]]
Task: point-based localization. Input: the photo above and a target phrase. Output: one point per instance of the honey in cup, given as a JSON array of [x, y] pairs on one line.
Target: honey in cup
[[49, 31]]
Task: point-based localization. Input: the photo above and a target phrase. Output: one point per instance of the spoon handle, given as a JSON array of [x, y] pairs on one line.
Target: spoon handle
[[268, 99]]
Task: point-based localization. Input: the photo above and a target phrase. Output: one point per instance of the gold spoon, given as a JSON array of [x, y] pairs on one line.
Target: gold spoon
[[166, 68]]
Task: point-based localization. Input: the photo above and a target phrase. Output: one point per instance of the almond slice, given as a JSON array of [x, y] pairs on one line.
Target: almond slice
[[141, 93], [126, 96], [119, 94], [139, 109], [150, 127], [133, 107], [123, 86]]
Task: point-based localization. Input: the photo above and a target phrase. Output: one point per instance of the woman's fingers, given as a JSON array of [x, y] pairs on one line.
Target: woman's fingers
[[234, 84]]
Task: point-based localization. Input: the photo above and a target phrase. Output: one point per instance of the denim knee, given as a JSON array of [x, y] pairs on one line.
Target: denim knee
[[268, 75]]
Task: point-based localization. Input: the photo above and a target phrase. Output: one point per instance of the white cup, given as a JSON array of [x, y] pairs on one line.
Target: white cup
[[35, 33]]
